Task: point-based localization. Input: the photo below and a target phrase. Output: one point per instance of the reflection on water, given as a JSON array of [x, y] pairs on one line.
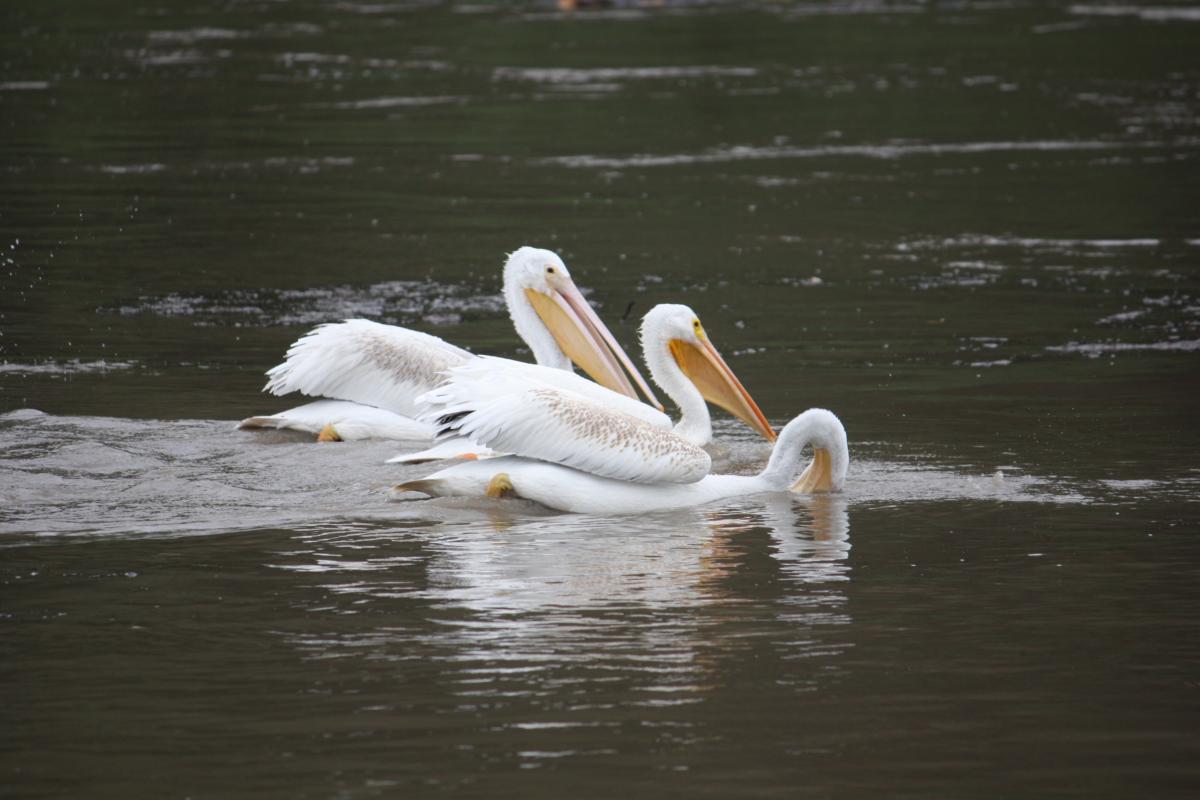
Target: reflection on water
[[565, 616]]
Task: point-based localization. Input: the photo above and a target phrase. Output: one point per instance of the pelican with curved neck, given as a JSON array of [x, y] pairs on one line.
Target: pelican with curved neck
[[568, 489], [561, 418]]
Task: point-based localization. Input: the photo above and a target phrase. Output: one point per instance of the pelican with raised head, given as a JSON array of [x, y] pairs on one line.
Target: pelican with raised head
[[681, 358], [373, 373], [678, 352], [687, 367]]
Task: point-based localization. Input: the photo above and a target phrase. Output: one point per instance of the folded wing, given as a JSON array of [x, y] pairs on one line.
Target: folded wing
[[511, 412]]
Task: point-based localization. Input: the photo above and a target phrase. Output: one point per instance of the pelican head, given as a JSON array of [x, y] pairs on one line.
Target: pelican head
[[678, 329], [558, 323], [831, 454]]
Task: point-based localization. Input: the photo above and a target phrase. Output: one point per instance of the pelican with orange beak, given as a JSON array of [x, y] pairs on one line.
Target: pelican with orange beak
[[687, 367], [545, 416], [571, 453]]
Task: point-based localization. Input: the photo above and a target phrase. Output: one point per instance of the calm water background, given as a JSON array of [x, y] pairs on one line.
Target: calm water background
[[971, 229]]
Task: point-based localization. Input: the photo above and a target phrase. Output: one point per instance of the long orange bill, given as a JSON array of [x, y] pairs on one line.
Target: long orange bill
[[587, 341], [705, 368]]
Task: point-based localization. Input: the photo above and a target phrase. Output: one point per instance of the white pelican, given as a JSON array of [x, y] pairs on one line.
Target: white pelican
[[375, 372], [681, 359], [685, 365], [660, 474]]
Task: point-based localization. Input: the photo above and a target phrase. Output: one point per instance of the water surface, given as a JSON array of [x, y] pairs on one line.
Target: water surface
[[970, 229]]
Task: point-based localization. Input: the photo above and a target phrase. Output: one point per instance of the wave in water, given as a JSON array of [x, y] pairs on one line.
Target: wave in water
[[125, 477]]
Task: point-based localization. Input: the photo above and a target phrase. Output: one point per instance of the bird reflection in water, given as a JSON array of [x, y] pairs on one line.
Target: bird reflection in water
[[523, 580], [552, 633], [809, 536]]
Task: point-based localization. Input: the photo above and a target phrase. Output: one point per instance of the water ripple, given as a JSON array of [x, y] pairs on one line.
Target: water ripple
[[391, 102], [395, 302], [1095, 349], [111, 476], [610, 74], [880, 151], [1148, 13], [24, 86], [72, 367]]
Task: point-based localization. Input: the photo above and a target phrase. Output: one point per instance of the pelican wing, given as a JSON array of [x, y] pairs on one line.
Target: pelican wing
[[366, 362], [514, 375], [510, 413]]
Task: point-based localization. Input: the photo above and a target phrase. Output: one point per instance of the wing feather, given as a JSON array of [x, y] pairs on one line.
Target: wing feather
[[565, 379], [366, 362], [511, 413], [504, 374]]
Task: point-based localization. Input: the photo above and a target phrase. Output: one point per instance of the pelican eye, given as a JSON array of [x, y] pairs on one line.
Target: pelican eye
[[549, 270]]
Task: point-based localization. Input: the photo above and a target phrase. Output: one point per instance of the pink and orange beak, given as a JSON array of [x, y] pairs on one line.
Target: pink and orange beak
[[705, 368], [586, 340]]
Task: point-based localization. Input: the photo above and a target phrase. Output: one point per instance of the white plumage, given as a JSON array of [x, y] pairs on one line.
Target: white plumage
[[384, 368], [366, 362], [489, 376], [568, 489], [512, 412], [515, 408], [351, 421]]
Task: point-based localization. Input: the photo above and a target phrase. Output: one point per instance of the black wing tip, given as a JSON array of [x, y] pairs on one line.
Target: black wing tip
[[451, 424], [450, 419]]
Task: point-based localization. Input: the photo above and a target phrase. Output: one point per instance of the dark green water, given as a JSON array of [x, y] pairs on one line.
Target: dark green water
[[971, 229]]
